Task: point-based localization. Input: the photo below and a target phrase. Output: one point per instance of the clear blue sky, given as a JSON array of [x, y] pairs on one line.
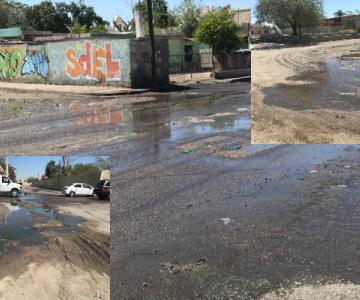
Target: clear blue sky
[[108, 8], [27, 166]]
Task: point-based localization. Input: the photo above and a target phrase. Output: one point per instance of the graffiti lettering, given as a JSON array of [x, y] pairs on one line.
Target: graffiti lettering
[[35, 63], [97, 64], [9, 64]]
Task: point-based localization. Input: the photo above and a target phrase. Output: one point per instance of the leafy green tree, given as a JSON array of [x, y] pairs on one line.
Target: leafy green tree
[[84, 15], [219, 30], [163, 18], [58, 17], [161, 14], [339, 14], [31, 179], [98, 29], [188, 16], [103, 163], [47, 17], [295, 13], [80, 169], [77, 28], [51, 169], [12, 13]]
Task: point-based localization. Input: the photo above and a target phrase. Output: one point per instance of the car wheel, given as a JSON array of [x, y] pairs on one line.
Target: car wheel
[[14, 193], [72, 194]]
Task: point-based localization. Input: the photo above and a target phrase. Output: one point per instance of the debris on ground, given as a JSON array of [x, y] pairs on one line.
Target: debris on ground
[[226, 220], [186, 151], [233, 146]]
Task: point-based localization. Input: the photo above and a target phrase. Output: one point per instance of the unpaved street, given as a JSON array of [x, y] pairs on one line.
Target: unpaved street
[[50, 251], [307, 94], [51, 123], [281, 223], [197, 214]]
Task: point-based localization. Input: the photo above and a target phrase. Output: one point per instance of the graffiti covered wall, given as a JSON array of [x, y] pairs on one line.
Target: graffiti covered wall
[[69, 62], [109, 61], [90, 61], [23, 62]]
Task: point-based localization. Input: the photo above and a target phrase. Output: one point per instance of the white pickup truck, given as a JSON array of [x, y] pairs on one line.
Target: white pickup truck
[[8, 187]]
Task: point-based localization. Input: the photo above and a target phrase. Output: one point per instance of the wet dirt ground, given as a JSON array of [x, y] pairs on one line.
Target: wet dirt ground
[[336, 85], [307, 94], [46, 253], [55, 124], [281, 223], [200, 215], [136, 131]]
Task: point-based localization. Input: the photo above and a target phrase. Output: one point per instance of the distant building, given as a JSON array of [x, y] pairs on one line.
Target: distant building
[[180, 45], [259, 28], [14, 33], [185, 52], [242, 17]]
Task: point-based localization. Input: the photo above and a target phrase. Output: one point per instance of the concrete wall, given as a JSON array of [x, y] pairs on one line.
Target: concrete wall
[[319, 29], [59, 183], [232, 65], [90, 61], [140, 56], [19, 62], [85, 61]]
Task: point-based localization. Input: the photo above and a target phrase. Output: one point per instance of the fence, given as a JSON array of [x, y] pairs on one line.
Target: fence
[[232, 65], [191, 63], [207, 61]]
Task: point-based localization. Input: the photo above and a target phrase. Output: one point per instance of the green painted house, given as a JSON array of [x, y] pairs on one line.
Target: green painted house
[[11, 33], [180, 45], [188, 55]]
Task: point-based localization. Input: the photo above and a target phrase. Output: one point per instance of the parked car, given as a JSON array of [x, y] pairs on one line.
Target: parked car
[[79, 189], [8, 187], [102, 189]]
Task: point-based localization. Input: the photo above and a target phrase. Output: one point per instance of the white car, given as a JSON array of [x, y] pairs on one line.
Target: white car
[[8, 187], [79, 189]]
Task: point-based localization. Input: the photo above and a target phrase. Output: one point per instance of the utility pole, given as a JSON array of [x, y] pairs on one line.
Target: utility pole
[[152, 41], [7, 166]]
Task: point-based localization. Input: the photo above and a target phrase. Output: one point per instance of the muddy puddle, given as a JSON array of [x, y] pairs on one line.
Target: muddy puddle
[[335, 86], [174, 119], [25, 222], [297, 156]]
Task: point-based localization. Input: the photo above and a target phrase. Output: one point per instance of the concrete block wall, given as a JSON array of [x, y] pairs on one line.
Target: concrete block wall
[[85, 61], [140, 56], [318, 29], [58, 183], [90, 61]]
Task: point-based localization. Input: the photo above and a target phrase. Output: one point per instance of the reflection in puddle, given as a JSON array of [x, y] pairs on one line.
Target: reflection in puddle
[[22, 225], [101, 115], [221, 125], [336, 86]]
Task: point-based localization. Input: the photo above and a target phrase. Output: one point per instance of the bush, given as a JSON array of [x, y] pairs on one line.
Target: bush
[[219, 30]]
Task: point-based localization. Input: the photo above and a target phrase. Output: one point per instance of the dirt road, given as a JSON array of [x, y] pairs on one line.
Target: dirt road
[[50, 251], [281, 223], [307, 94]]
